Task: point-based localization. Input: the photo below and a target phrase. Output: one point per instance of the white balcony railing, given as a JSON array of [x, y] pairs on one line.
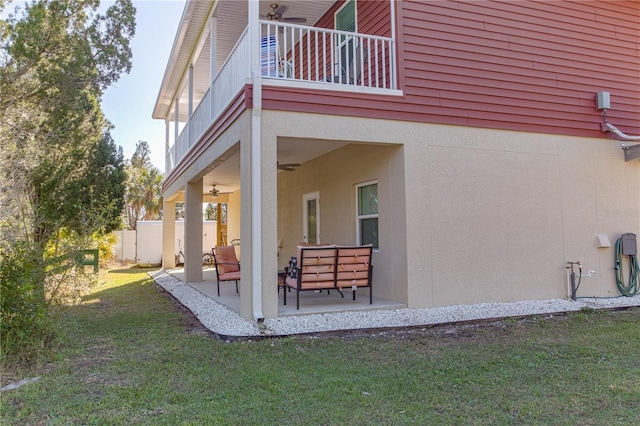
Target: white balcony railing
[[228, 82], [293, 53], [320, 55]]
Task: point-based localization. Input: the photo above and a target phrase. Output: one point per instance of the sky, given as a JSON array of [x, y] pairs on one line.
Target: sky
[[128, 104]]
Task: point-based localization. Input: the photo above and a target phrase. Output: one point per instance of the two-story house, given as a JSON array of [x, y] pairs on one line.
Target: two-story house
[[464, 139]]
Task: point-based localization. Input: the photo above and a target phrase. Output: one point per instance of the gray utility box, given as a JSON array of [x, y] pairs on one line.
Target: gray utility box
[[629, 247]]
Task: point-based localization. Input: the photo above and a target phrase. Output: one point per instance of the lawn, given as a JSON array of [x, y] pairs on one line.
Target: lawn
[[131, 356]]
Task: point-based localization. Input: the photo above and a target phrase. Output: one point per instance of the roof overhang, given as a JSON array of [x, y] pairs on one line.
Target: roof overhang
[[194, 19]]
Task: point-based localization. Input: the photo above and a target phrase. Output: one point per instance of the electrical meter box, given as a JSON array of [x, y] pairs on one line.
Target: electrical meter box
[[629, 246]]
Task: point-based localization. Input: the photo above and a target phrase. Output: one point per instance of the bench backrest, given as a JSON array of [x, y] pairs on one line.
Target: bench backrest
[[317, 267], [333, 266], [353, 266]]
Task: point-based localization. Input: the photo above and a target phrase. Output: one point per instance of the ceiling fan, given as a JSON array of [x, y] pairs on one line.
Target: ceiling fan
[[215, 192], [277, 12], [288, 167]]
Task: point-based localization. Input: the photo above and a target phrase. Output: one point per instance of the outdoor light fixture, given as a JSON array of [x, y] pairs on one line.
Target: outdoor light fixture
[[603, 103]]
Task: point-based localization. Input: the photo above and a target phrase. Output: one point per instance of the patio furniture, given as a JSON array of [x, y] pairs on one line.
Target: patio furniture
[[330, 267], [226, 264], [350, 73]]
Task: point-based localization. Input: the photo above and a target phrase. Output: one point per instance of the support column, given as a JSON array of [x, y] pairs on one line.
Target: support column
[[168, 160], [259, 204], [213, 48], [168, 235], [193, 227], [176, 121], [190, 106]]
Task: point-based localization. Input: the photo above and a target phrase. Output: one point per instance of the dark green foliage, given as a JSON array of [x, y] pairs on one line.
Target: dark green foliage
[[24, 320], [60, 169], [143, 196]]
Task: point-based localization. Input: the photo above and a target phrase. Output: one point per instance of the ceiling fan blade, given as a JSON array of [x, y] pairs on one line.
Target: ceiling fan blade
[[295, 20], [286, 169], [289, 165], [281, 10]]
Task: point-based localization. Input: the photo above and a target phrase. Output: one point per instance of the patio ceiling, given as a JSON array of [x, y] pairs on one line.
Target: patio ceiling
[[226, 176]]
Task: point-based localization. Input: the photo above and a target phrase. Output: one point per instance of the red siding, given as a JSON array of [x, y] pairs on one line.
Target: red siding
[[519, 65]]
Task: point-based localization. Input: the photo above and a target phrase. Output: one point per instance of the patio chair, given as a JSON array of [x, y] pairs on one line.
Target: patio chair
[[226, 264], [350, 73]]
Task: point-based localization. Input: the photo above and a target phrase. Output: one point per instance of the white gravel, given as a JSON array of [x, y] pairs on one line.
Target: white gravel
[[228, 324]]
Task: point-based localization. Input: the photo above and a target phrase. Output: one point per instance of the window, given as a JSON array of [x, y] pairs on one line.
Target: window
[[345, 20], [367, 216]]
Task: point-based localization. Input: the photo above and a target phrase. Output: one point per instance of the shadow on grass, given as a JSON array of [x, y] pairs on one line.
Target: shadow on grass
[[130, 302]]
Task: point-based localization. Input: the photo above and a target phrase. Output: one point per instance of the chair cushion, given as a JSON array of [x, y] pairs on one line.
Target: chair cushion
[[226, 260], [229, 276]]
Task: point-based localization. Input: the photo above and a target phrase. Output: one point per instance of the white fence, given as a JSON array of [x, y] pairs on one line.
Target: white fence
[[145, 244]]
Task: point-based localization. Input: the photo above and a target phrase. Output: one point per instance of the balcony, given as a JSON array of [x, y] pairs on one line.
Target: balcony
[[294, 56]]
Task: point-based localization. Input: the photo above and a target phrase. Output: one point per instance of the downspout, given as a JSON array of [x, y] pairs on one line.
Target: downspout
[[631, 152], [603, 103], [256, 164], [608, 127]]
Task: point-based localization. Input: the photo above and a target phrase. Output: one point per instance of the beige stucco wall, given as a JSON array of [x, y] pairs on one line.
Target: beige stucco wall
[[335, 176], [466, 215]]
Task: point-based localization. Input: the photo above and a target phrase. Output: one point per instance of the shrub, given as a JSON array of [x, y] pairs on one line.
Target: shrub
[[25, 324]]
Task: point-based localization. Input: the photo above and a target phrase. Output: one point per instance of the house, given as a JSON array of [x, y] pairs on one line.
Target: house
[[479, 145]]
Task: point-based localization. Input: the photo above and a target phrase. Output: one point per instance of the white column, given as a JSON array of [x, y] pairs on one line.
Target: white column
[[193, 226], [256, 167], [168, 161], [190, 107], [176, 122], [213, 48], [393, 57], [168, 234]]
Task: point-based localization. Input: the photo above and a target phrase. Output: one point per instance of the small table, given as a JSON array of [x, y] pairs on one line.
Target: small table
[[281, 276]]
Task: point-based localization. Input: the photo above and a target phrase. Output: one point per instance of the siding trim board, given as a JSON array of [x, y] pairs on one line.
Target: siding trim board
[[231, 113]]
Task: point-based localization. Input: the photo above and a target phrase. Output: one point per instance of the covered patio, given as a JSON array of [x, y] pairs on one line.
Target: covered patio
[[310, 302]]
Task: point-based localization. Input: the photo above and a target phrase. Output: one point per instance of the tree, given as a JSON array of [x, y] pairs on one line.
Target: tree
[[143, 199], [210, 211], [56, 62], [60, 168]]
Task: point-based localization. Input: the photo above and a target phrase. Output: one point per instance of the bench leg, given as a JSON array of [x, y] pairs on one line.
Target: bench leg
[[297, 299]]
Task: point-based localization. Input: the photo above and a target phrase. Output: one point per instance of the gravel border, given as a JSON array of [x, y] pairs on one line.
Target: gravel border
[[229, 325]]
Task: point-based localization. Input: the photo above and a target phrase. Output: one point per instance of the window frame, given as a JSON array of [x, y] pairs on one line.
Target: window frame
[[360, 217], [305, 212], [355, 14], [344, 44]]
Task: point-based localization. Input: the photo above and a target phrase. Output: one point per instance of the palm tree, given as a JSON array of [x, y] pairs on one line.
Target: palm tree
[[143, 197]]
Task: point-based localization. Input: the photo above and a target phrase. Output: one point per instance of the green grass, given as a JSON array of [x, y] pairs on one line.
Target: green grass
[[132, 357]]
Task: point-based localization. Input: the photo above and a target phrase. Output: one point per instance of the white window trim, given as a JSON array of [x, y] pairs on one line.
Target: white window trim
[[305, 231], [366, 216], [355, 14]]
